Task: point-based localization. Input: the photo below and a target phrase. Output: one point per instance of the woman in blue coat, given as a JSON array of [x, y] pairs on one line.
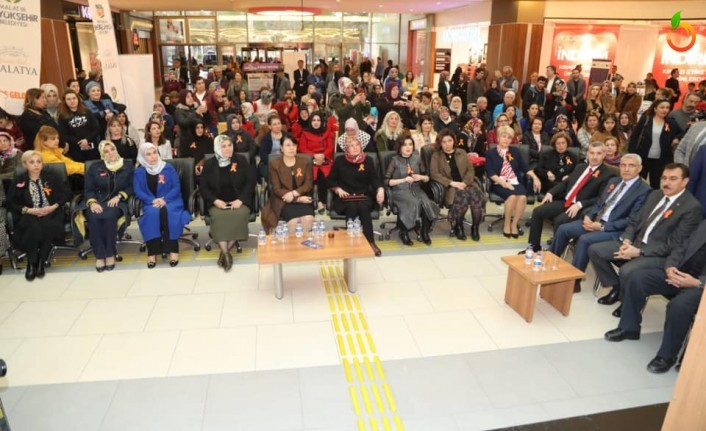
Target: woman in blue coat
[[107, 187], [163, 216]]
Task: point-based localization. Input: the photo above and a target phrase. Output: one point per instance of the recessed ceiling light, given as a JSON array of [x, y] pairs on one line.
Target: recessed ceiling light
[[438, 2], [379, 5]]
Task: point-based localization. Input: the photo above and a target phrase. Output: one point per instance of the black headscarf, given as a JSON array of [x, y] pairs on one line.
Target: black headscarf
[[320, 130]]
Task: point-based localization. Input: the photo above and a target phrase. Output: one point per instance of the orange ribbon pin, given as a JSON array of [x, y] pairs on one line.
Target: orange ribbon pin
[[361, 168], [239, 139], [509, 157], [161, 179], [193, 145], [299, 172], [668, 213], [595, 174], [568, 161], [234, 167], [410, 171], [47, 191]]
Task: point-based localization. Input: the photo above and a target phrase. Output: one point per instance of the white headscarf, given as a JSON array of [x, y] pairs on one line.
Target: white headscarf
[[222, 161], [142, 159]]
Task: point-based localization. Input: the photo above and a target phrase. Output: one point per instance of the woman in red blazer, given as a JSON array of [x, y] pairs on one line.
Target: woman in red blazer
[[318, 141]]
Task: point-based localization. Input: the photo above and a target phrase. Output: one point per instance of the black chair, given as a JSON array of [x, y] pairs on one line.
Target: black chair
[[69, 209], [264, 193], [492, 197], [123, 236], [207, 218], [333, 215]]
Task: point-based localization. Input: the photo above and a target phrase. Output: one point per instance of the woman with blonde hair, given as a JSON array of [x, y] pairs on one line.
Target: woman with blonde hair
[[389, 131], [48, 145]]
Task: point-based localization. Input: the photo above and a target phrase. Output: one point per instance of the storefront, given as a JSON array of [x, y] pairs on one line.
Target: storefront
[[464, 46], [83, 41]]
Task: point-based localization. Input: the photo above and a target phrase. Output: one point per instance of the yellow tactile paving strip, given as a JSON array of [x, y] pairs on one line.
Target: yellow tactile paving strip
[[371, 396]]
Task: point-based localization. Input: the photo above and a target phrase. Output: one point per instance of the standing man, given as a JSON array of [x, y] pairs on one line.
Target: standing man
[[535, 94], [301, 76], [476, 86], [551, 77], [617, 81], [673, 83], [379, 69], [683, 115], [613, 71], [669, 217], [317, 81], [509, 82], [444, 88]]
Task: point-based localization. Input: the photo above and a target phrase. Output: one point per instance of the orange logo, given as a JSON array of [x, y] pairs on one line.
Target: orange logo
[[676, 24]]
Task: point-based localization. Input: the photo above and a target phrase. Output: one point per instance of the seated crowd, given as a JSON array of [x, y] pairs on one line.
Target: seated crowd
[[623, 191]]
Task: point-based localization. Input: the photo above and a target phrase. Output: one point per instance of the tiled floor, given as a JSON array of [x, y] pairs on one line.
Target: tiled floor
[[192, 348]]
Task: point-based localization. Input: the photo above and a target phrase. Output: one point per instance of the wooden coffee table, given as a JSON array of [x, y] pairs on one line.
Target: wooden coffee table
[[340, 246], [556, 286]]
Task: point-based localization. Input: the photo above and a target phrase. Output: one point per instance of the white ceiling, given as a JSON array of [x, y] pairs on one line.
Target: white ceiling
[[379, 6]]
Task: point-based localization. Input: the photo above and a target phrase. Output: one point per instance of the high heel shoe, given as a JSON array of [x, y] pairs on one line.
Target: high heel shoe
[[151, 264], [475, 232], [507, 235], [100, 268], [111, 266], [174, 262]]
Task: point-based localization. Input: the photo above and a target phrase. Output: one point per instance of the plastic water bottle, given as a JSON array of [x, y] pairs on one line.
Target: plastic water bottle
[[285, 232], [529, 254], [322, 229], [299, 230], [537, 262], [357, 229], [349, 227], [314, 233], [261, 237], [279, 231]]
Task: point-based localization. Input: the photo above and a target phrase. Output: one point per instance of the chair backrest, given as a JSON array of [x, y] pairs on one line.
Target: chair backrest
[[525, 153], [574, 151], [185, 169], [57, 169], [426, 153], [386, 157]]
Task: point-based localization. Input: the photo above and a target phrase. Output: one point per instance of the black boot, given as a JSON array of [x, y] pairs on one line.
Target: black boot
[[426, 227], [40, 268], [459, 230], [475, 232], [31, 272], [404, 236]]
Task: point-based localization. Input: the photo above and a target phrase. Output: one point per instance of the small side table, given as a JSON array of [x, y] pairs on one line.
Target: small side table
[[555, 282]]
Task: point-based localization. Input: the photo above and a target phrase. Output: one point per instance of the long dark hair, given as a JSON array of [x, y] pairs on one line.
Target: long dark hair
[[650, 112], [148, 138], [65, 111]]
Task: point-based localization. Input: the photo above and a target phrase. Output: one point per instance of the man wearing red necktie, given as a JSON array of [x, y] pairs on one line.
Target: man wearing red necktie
[[566, 200]]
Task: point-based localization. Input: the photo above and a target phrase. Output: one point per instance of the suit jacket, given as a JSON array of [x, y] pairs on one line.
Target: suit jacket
[[589, 193], [444, 92], [242, 178], [682, 253], [576, 88], [697, 174], [440, 171], [672, 230], [641, 138], [300, 82], [281, 184], [494, 163], [626, 208], [97, 184]]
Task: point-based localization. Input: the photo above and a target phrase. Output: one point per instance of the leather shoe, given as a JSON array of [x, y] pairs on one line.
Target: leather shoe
[[618, 334], [404, 237], [611, 298], [618, 312], [660, 365], [227, 261], [151, 265], [460, 232], [40, 269], [30, 273], [424, 236], [221, 260], [577, 286], [174, 262], [376, 249]]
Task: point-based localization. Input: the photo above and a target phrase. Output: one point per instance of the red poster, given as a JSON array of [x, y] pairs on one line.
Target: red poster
[[576, 44], [691, 63]]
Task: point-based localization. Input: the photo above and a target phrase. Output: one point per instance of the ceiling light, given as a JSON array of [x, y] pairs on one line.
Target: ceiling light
[[285, 10]]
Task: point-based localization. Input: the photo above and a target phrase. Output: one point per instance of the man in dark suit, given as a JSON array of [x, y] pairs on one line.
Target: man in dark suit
[[682, 278], [580, 190], [444, 88], [669, 216], [620, 201], [300, 80]]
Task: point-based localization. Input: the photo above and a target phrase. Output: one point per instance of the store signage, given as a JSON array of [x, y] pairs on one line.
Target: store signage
[[691, 63], [461, 34], [418, 24], [20, 58], [107, 54], [442, 60], [575, 44], [261, 67], [85, 12]]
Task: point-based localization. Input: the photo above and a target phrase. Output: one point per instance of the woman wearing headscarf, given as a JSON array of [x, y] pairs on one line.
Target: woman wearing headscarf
[[355, 183], [35, 116], [35, 200], [79, 128], [108, 186], [349, 104], [163, 218], [188, 112], [101, 108], [227, 184], [52, 94], [10, 157], [389, 131], [404, 175], [291, 185], [169, 107], [242, 139], [302, 122], [200, 146], [317, 141], [167, 119], [350, 132]]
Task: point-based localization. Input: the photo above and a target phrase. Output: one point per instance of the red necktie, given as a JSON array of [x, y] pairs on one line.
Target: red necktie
[[570, 199]]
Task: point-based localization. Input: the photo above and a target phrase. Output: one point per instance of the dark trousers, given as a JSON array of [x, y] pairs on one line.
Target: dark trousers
[[680, 310], [653, 168], [162, 244], [601, 256], [103, 231], [38, 234], [321, 186], [553, 211], [362, 211], [582, 238]]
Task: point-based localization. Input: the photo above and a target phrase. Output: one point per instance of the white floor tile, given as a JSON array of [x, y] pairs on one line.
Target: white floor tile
[[464, 264], [92, 285], [42, 319], [392, 338], [408, 268], [448, 332], [186, 312], [393, 299], [164, 280], [296, 345], [258, 307], [450, 294], [131, 356], [310, 303], [50, 360], [51, 287], [6, 308], [8, 347], [508, 329], [586, 320], [114, 316], [212, 351], [212, 279]]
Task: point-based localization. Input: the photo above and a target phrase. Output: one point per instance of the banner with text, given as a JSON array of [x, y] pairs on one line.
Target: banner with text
[[575, 44], [691, 63], [108, 65], [20, 52]]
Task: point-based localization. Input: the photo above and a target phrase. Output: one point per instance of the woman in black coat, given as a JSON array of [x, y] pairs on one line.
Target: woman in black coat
[[35, 199], [108, 185], [34, 116], [655, 155], [187, 113], [536, 139], [79, 128], [555, 165]]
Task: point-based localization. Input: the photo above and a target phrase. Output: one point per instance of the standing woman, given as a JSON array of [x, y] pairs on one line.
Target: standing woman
[[532, 113], [354, 179], [34, 116], [536, 139], [409, 83], [302, 122], [102, 109], [79, 128], [593, 101], [629, 102], [227, 184], [52, 94], [35, 199], [188, 112], [108, 186], [291, 185], [493, 95], [590, 126], [625, 126], [163, 218], [652, 140], [607, 128], [127, 148], [404, 175], [451, 168], [317, 141], [506, 170], [154, 136]]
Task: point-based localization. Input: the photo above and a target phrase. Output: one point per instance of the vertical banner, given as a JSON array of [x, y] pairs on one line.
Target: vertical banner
[[691, 61], [140, 81], [20, 52], [108, 65], [575, 44]]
